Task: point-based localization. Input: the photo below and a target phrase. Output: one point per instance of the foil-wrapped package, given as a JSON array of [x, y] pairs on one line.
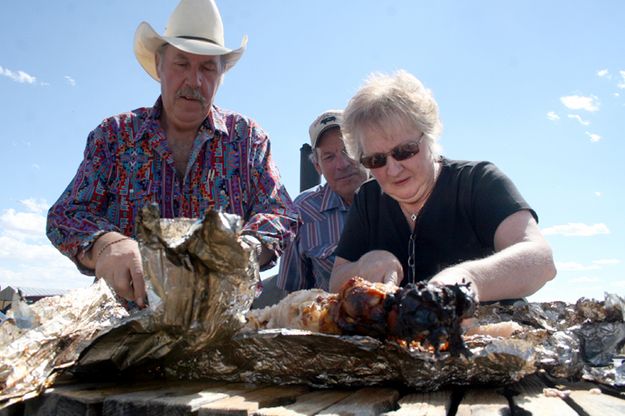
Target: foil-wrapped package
[[201, 279], [282, 356]]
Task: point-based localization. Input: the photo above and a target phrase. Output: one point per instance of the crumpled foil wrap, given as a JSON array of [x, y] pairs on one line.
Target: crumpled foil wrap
[[570, 341], [201, 280], [49, 335], [283, 356]]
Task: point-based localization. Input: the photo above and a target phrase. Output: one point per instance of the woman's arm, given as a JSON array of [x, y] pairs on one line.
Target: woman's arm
[[522, 262]]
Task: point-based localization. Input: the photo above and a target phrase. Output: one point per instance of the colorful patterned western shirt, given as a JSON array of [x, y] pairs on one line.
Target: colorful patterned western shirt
[[308, 260], [128, 164]]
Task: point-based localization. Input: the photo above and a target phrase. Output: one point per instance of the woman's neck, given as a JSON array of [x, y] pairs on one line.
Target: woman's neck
[[412, 209]]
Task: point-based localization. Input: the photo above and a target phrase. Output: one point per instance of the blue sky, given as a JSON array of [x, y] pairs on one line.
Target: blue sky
[[536, 87]]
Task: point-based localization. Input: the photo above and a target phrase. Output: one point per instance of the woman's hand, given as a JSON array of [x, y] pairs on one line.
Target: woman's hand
[[380, 266], [456, 275], [374, 266]]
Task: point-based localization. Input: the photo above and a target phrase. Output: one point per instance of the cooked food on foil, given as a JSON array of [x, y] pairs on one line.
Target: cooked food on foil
[[426, 314]]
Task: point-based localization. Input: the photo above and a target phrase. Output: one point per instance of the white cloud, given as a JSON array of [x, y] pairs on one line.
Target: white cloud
[[579, 119], [593, 137], [598, 194], [621, 84], [22, 225], [585, 279], [59, 275], [603, 73], [22, 252], [553, 116], [577, 230], [35, 205], [607, 262], [579, 102], [71, 81], [571, 266], [26, 256], [18, 76]]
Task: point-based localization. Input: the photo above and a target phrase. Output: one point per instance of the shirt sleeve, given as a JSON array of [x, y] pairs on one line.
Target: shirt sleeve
[[495, 198], [271, 214], [77, 218], [295, 269]]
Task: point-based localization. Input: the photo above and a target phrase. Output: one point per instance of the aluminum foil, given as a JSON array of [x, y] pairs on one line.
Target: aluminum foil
[[571, 341], [200, 278], [53, 333], [283, 356]]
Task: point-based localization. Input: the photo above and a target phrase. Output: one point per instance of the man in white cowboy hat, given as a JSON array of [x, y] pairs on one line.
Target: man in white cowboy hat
[[308, 260], [185, 153]]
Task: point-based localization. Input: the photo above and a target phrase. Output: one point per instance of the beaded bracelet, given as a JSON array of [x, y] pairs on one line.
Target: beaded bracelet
[[107, 245]]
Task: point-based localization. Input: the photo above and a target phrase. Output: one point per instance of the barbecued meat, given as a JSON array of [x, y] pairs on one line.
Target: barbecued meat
[[430, 314], [427, 314], [360, 307]]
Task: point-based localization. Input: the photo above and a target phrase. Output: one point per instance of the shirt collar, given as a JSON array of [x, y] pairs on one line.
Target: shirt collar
[[331, 200], [215, 121]]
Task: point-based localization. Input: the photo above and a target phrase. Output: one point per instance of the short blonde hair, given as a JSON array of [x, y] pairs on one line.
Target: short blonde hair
[[385, 99]]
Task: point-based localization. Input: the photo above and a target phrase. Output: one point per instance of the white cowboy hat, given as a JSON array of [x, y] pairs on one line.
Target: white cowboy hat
[[194, 26]]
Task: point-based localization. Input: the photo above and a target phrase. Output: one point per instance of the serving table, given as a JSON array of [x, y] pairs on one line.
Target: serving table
[[533, 395]]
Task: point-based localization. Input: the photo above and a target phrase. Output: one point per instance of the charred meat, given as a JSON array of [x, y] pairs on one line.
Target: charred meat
[[360, 308], [431, 315], [421, 314]]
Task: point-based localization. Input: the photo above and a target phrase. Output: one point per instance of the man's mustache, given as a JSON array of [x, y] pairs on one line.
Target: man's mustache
[[191, 93]]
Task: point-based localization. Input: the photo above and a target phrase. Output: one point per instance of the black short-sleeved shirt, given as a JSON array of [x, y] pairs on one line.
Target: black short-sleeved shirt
[[457, 223]]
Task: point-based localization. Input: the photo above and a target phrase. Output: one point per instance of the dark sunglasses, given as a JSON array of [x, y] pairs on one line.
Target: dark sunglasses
[[400, 152]]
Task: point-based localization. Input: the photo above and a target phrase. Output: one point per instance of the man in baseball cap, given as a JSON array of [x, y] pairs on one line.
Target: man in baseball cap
[[307, 262], [184, 152]]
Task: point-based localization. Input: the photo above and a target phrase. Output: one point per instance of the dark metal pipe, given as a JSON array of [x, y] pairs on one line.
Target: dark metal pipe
[[308, 176]]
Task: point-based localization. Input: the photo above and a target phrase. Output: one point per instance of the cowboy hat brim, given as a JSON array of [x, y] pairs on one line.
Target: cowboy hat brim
[[147, 41]]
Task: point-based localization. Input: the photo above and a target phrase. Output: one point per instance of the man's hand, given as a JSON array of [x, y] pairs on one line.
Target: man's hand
[[118, 262]]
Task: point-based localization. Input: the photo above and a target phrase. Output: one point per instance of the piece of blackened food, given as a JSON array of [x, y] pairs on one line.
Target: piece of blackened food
[[431, 315]]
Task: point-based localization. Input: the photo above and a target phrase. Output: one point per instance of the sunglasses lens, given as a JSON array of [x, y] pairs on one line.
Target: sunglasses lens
[[405, 151], [374, 161], [399, 153]]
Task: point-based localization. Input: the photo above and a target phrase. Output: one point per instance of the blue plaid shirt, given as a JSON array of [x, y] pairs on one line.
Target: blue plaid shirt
[[307, 262]]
